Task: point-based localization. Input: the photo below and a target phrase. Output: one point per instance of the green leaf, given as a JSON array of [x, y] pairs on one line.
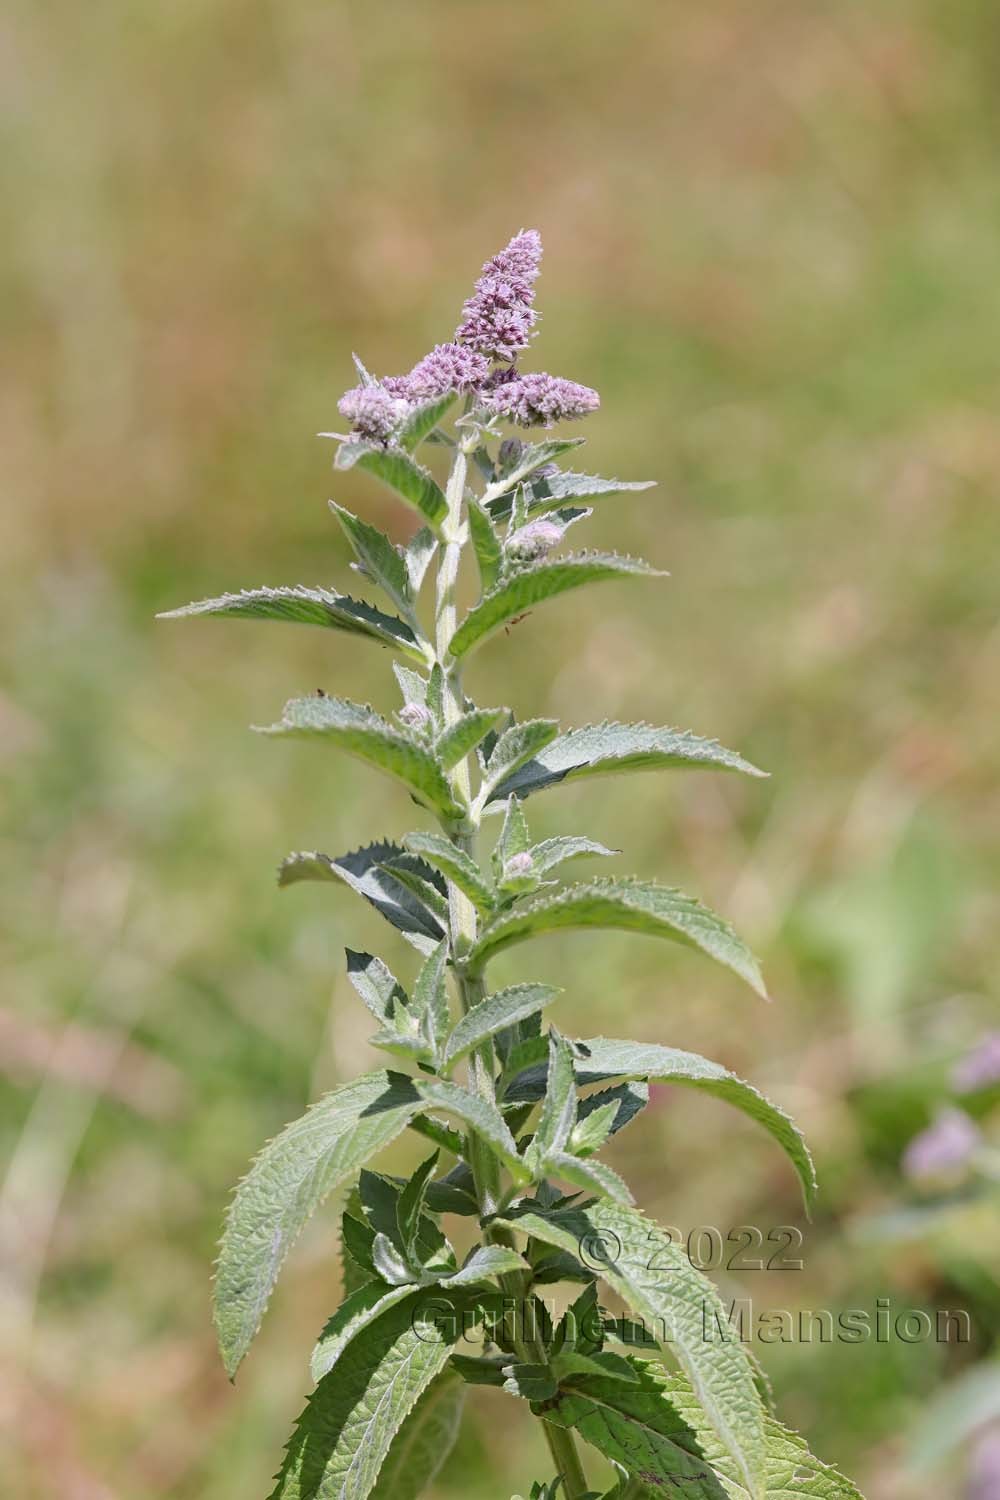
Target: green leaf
[[346, 1432], [418, 554], [394, 466], [430, 998], [558, 1115], [593, 1129], [378, 988], [550, 853], [367, 872], [424, 1441], [360, 731], [485, 1261], [412, 686], [481, 1116], [453, 863], [497, 1011], [610, 1059], [410, 1207], [600, 749], [380, 1195], [389, 1263], [593, 1176], [548, 492], [305, 606], [355, 1313], [356, 1237], [678, 1304], [530, 1382], [464, 735], [486, 544], [377, 558], [532, 456], [533, 584], [514, 837], [287, 1182], [416, 880], [636, 1426], [423, 419], [519, 743], [630, 906], [791, 1472]]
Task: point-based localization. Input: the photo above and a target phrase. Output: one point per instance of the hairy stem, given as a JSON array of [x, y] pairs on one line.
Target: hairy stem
[[472, 989]]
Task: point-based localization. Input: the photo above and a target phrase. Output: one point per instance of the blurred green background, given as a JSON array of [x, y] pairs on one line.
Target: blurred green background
[[771, 237]]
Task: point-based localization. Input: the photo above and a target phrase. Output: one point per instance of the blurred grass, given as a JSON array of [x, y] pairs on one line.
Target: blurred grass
[[771, 242]]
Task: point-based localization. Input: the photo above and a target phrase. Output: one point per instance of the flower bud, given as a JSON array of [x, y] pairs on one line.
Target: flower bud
[[533, 540], [518, 866], [414, 716]]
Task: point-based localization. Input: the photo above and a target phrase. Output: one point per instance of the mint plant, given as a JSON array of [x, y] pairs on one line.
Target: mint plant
[[517, 1118]]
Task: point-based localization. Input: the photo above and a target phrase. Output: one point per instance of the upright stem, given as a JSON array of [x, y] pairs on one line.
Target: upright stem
[[462, 935]]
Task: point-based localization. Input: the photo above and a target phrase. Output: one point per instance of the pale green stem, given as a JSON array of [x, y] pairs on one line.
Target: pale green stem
[[462, 934]]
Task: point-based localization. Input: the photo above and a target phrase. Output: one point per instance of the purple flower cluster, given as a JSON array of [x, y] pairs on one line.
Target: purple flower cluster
[[496, 326], [945, 1147], [374, 412], [498, 318], [448, 367], [539, 400]]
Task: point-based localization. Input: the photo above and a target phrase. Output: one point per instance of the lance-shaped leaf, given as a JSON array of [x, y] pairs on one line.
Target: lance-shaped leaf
[[356, 1268], [395, 467], [362, 732], [601, 749], [633, 1424], [455, 742], [377, 987], [484, 1261], [305, 606], [791, 1471], [287, 1182], [530, 457], [454, 864], [531, 585], [423, 419], [369, 871], [678, 1304], [558, 1114], [409, 872], [486, 544], [419, 550], [377, 558], [610, 1059], [493, 1014], [430, 998], [547, 492], [551, 853], [593, 1176], [424, 1441], [628, 1101], [346, 1432], [519, 743], [354, 1314], [599, 1059], [631, 906], [481, 1116]]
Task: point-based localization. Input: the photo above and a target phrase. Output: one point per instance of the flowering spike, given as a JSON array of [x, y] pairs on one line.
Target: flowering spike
[[498, 318], [540, 400]]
